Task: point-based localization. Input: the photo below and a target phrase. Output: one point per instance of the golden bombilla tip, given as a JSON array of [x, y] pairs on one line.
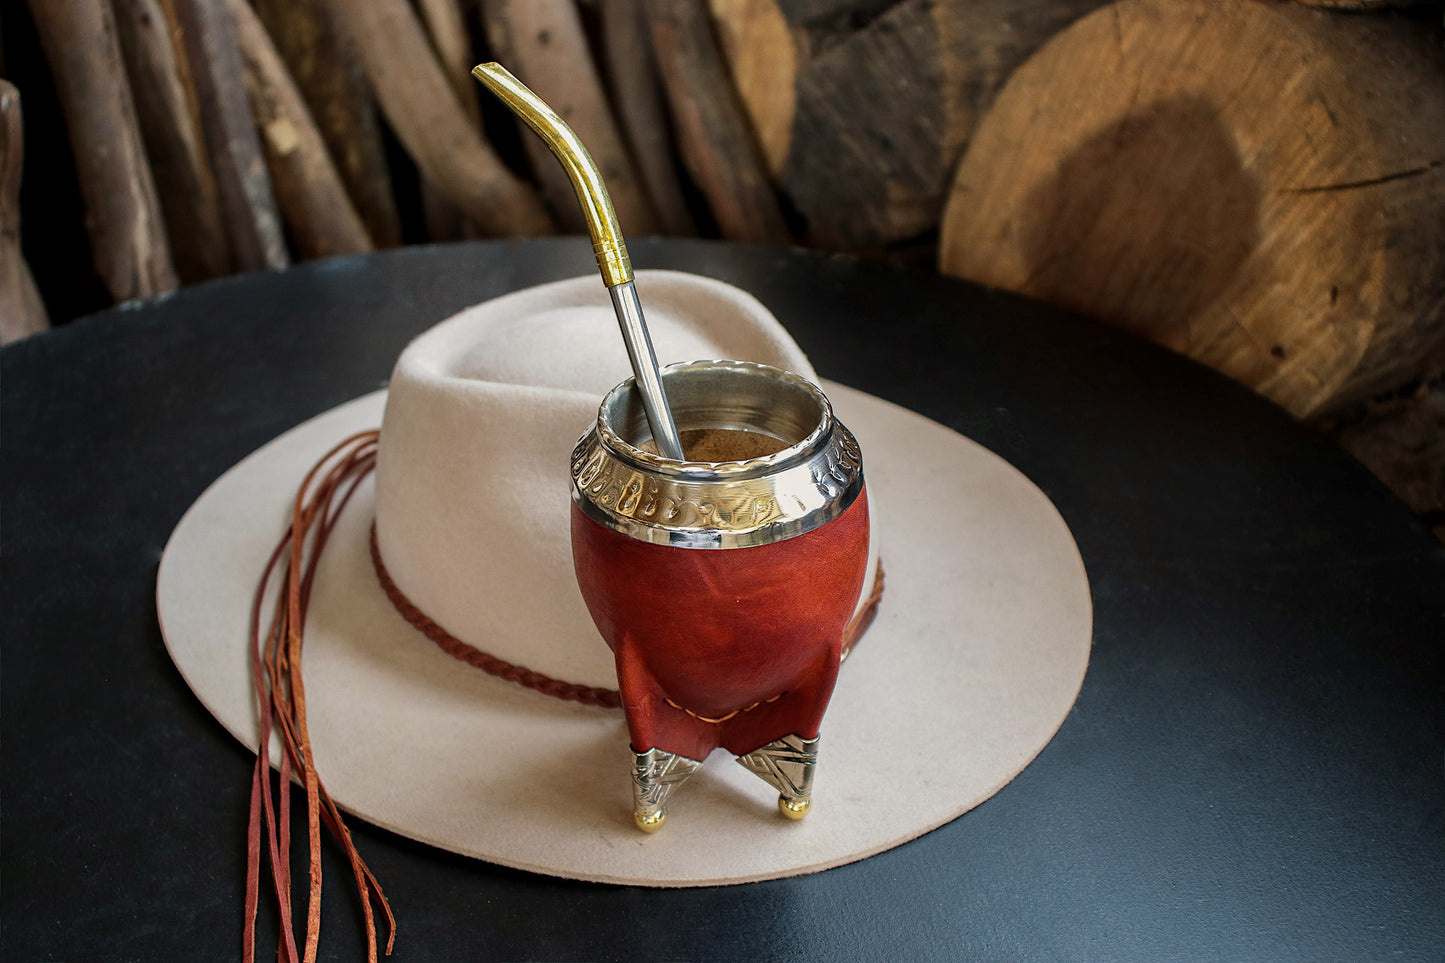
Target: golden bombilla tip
[[607, 244]]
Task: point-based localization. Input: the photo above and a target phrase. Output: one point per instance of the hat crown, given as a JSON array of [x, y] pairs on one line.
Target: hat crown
[[472, 477]]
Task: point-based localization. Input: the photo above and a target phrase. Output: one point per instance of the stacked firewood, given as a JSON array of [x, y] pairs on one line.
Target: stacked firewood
[[1257, 184]]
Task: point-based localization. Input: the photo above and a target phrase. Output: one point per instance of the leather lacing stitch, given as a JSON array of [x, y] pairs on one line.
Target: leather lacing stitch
[[488, 663], [721, 719]]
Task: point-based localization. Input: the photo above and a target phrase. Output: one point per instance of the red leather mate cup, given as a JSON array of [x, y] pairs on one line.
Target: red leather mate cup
[[724, 582]]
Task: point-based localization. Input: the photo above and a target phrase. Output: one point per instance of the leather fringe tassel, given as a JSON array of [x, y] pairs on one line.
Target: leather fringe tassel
[[276, 652]]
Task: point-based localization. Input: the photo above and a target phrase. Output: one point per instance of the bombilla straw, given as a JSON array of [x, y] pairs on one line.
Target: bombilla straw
[[607, 244]]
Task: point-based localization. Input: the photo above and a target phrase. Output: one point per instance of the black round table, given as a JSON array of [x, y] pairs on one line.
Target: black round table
[[1254, 769]]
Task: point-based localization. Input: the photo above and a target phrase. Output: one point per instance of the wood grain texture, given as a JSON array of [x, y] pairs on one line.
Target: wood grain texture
[[127, 234], [248, 206], [182, 172], [717, 141], [1360, 4], [322, 63], [448, 35], [318, 213], [22, 313], [763, 53], [863, 108], [1400, 437], [422, 108], [637, 94], [1259, 186], [542, 42]]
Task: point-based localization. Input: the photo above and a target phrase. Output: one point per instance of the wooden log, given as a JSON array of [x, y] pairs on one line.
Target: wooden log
[[763, 52], [448, 34], [542, 42], [1400, 436], [1361, 4], [22, 313], [1258, 186], [444, 221], [182, 173], [185, 77], [318, 213], [321, 60], [637, 95], [127, 235], [718, 145], [419, 104], [864, 109], [248, 206]]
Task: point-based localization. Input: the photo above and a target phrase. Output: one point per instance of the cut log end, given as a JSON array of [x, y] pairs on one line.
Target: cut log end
[[1257, 186]]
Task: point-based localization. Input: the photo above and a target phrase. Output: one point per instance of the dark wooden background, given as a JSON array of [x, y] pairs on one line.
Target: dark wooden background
[[1259, 185]]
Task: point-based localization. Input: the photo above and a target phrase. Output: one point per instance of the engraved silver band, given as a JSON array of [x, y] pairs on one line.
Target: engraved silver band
[[733, 504]]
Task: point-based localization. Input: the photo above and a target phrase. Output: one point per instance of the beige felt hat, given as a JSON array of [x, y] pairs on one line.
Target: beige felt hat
[[977, 652]]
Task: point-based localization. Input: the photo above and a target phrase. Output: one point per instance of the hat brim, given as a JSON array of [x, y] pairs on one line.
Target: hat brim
[[974, 660]]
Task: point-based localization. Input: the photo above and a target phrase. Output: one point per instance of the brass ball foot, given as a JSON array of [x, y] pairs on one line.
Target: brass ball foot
[[794, 808], [650, 822]]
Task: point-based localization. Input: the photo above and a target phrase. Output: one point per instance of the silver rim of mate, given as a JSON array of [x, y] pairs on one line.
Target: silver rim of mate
[[811, 480]]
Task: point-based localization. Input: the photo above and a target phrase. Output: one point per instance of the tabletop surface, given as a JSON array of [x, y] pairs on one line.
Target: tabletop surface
[[1254, 768]]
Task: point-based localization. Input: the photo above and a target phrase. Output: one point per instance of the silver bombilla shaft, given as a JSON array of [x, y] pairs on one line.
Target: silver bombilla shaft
[[644, 369]]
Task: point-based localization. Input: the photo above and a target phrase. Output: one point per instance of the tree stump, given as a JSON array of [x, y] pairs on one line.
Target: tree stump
[[1258, 186]]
